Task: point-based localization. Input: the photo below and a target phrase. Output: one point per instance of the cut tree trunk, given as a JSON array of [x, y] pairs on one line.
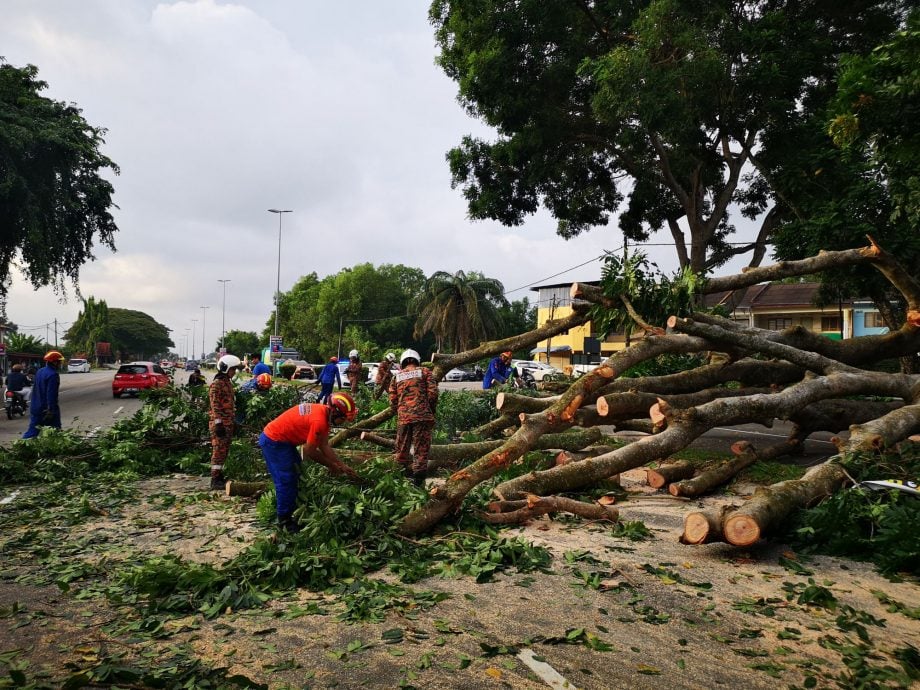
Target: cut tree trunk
[[235, 488], [496, 426], [356, 429], [535, 506], [666, 474], [746, 454], [771, 506], [705, 526]]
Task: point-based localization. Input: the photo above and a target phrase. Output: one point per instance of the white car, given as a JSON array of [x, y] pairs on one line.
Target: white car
[[77, 366], [536, 369]]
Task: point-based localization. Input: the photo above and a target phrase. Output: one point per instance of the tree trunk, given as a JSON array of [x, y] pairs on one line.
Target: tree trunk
[[705, 526], [253, 489], [666, 474], [496, 426], [358, 427], [534, 506], [722, 473]]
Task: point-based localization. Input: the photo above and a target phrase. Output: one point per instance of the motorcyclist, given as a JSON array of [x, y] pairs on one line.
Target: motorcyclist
[[17, 382], [43, 407]]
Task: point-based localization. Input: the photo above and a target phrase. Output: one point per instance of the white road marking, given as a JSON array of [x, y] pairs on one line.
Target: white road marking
[[544, 671], [763, 433], [118, 410]]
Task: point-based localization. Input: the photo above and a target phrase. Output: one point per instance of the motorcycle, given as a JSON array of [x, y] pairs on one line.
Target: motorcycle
[[15, 403]]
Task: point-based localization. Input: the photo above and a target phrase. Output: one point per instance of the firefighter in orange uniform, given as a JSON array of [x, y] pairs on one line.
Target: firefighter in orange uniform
[[221, 415], [414, 398]]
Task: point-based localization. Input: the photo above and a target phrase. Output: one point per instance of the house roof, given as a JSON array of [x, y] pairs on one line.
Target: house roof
[[767, 295]]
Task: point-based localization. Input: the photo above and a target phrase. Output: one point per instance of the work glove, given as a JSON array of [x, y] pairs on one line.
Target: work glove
[[220, 431]]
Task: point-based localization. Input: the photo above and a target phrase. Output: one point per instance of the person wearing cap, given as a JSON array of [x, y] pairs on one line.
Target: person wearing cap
[[499, 370], [384, 375], [43, 408], [329, 376]]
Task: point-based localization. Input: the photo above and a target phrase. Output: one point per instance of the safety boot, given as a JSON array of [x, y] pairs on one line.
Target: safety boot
[[218, 483]]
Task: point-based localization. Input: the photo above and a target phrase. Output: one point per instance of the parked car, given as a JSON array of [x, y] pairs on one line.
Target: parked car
[[77, 366], [137, 376], [460, 374], [536, 369], [191, 365], [167, 365]]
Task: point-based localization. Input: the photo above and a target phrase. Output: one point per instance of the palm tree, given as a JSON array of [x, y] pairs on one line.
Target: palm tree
[[25, 344], [459, 308]]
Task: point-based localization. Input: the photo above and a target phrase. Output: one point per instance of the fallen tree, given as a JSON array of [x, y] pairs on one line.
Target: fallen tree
[[802, 374]]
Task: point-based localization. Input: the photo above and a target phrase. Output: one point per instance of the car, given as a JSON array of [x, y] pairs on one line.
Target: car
[[167, 365], [460, 374], [134, 377], [191, 365], [77, 366], [536, 369]]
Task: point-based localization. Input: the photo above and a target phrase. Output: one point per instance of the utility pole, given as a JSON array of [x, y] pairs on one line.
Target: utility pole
[[552, 315], [55, 334], [204, 314]]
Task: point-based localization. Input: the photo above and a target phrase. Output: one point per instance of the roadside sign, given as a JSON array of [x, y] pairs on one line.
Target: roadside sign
[[274, 343]]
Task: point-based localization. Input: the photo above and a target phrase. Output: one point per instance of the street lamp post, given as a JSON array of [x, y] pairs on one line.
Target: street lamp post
[[280, 212], [194, 321], [223, 315], [185, 354], [204, 314]]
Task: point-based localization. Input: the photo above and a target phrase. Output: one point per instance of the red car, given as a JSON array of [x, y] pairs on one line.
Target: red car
[[136, 376]]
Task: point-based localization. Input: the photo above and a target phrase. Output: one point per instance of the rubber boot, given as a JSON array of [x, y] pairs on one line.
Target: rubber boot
[[218, 483], [418, 478]]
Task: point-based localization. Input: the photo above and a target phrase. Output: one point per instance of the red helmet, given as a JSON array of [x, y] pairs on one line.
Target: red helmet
[[53, 356], [264, 381], [344, 404]]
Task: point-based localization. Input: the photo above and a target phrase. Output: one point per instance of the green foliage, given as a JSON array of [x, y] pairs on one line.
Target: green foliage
[[241, 343], [20, 342], [54, 198], [871, 525], [90, 327], [658, 103], [652, 295], [665, 364], [460, 411]]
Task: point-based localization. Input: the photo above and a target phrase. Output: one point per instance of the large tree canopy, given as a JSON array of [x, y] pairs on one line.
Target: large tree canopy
[[240, 343], [665, 104], [134, 334], [54, 201], [91, 326]]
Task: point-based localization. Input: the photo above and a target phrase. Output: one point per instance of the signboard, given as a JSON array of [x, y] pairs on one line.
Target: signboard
[[274, 343]]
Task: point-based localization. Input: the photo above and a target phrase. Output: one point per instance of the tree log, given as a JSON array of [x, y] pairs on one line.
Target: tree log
[[772, 505], [254, 489], [496, 426], [746, 454], [666, 474], [539, 505], [355, 429], [510, 403], [684, 426], [705, 526], [456, 453]]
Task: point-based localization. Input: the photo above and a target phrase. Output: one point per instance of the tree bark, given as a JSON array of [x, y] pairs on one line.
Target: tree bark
[[666, 474], [772, 505], [253, 489], [722, 473], [538, 505], [356, 429], [457, 453], [533, 482], [496, 426]]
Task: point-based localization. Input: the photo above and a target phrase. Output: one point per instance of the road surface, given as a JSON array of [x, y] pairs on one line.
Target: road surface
[[86, 403]]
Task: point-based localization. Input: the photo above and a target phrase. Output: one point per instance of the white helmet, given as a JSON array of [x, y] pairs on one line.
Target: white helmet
[[353, 353], [227, 362], [391, 357], [409, 354]]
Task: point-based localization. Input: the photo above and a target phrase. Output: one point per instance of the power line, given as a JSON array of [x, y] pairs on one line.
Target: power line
[[537, 282]]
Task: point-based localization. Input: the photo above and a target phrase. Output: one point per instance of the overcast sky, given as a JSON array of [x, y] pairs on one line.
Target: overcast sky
[[217, 111]]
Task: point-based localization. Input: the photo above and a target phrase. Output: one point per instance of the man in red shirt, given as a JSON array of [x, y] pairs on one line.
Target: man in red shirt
[[308, 425]]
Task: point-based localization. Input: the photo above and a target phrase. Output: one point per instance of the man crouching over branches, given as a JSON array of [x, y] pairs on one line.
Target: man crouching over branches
[[308, 425], [413, 398]]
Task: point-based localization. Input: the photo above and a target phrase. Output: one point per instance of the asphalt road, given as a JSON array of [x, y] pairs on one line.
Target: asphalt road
[[86, 403]]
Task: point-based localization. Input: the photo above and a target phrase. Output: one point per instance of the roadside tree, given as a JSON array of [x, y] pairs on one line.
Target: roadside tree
[[54, 200]]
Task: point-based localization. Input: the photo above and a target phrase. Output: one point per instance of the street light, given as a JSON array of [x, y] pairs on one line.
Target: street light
[[194, 321], [223, 315], [278, 282], [203, 315], [185, 354]]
